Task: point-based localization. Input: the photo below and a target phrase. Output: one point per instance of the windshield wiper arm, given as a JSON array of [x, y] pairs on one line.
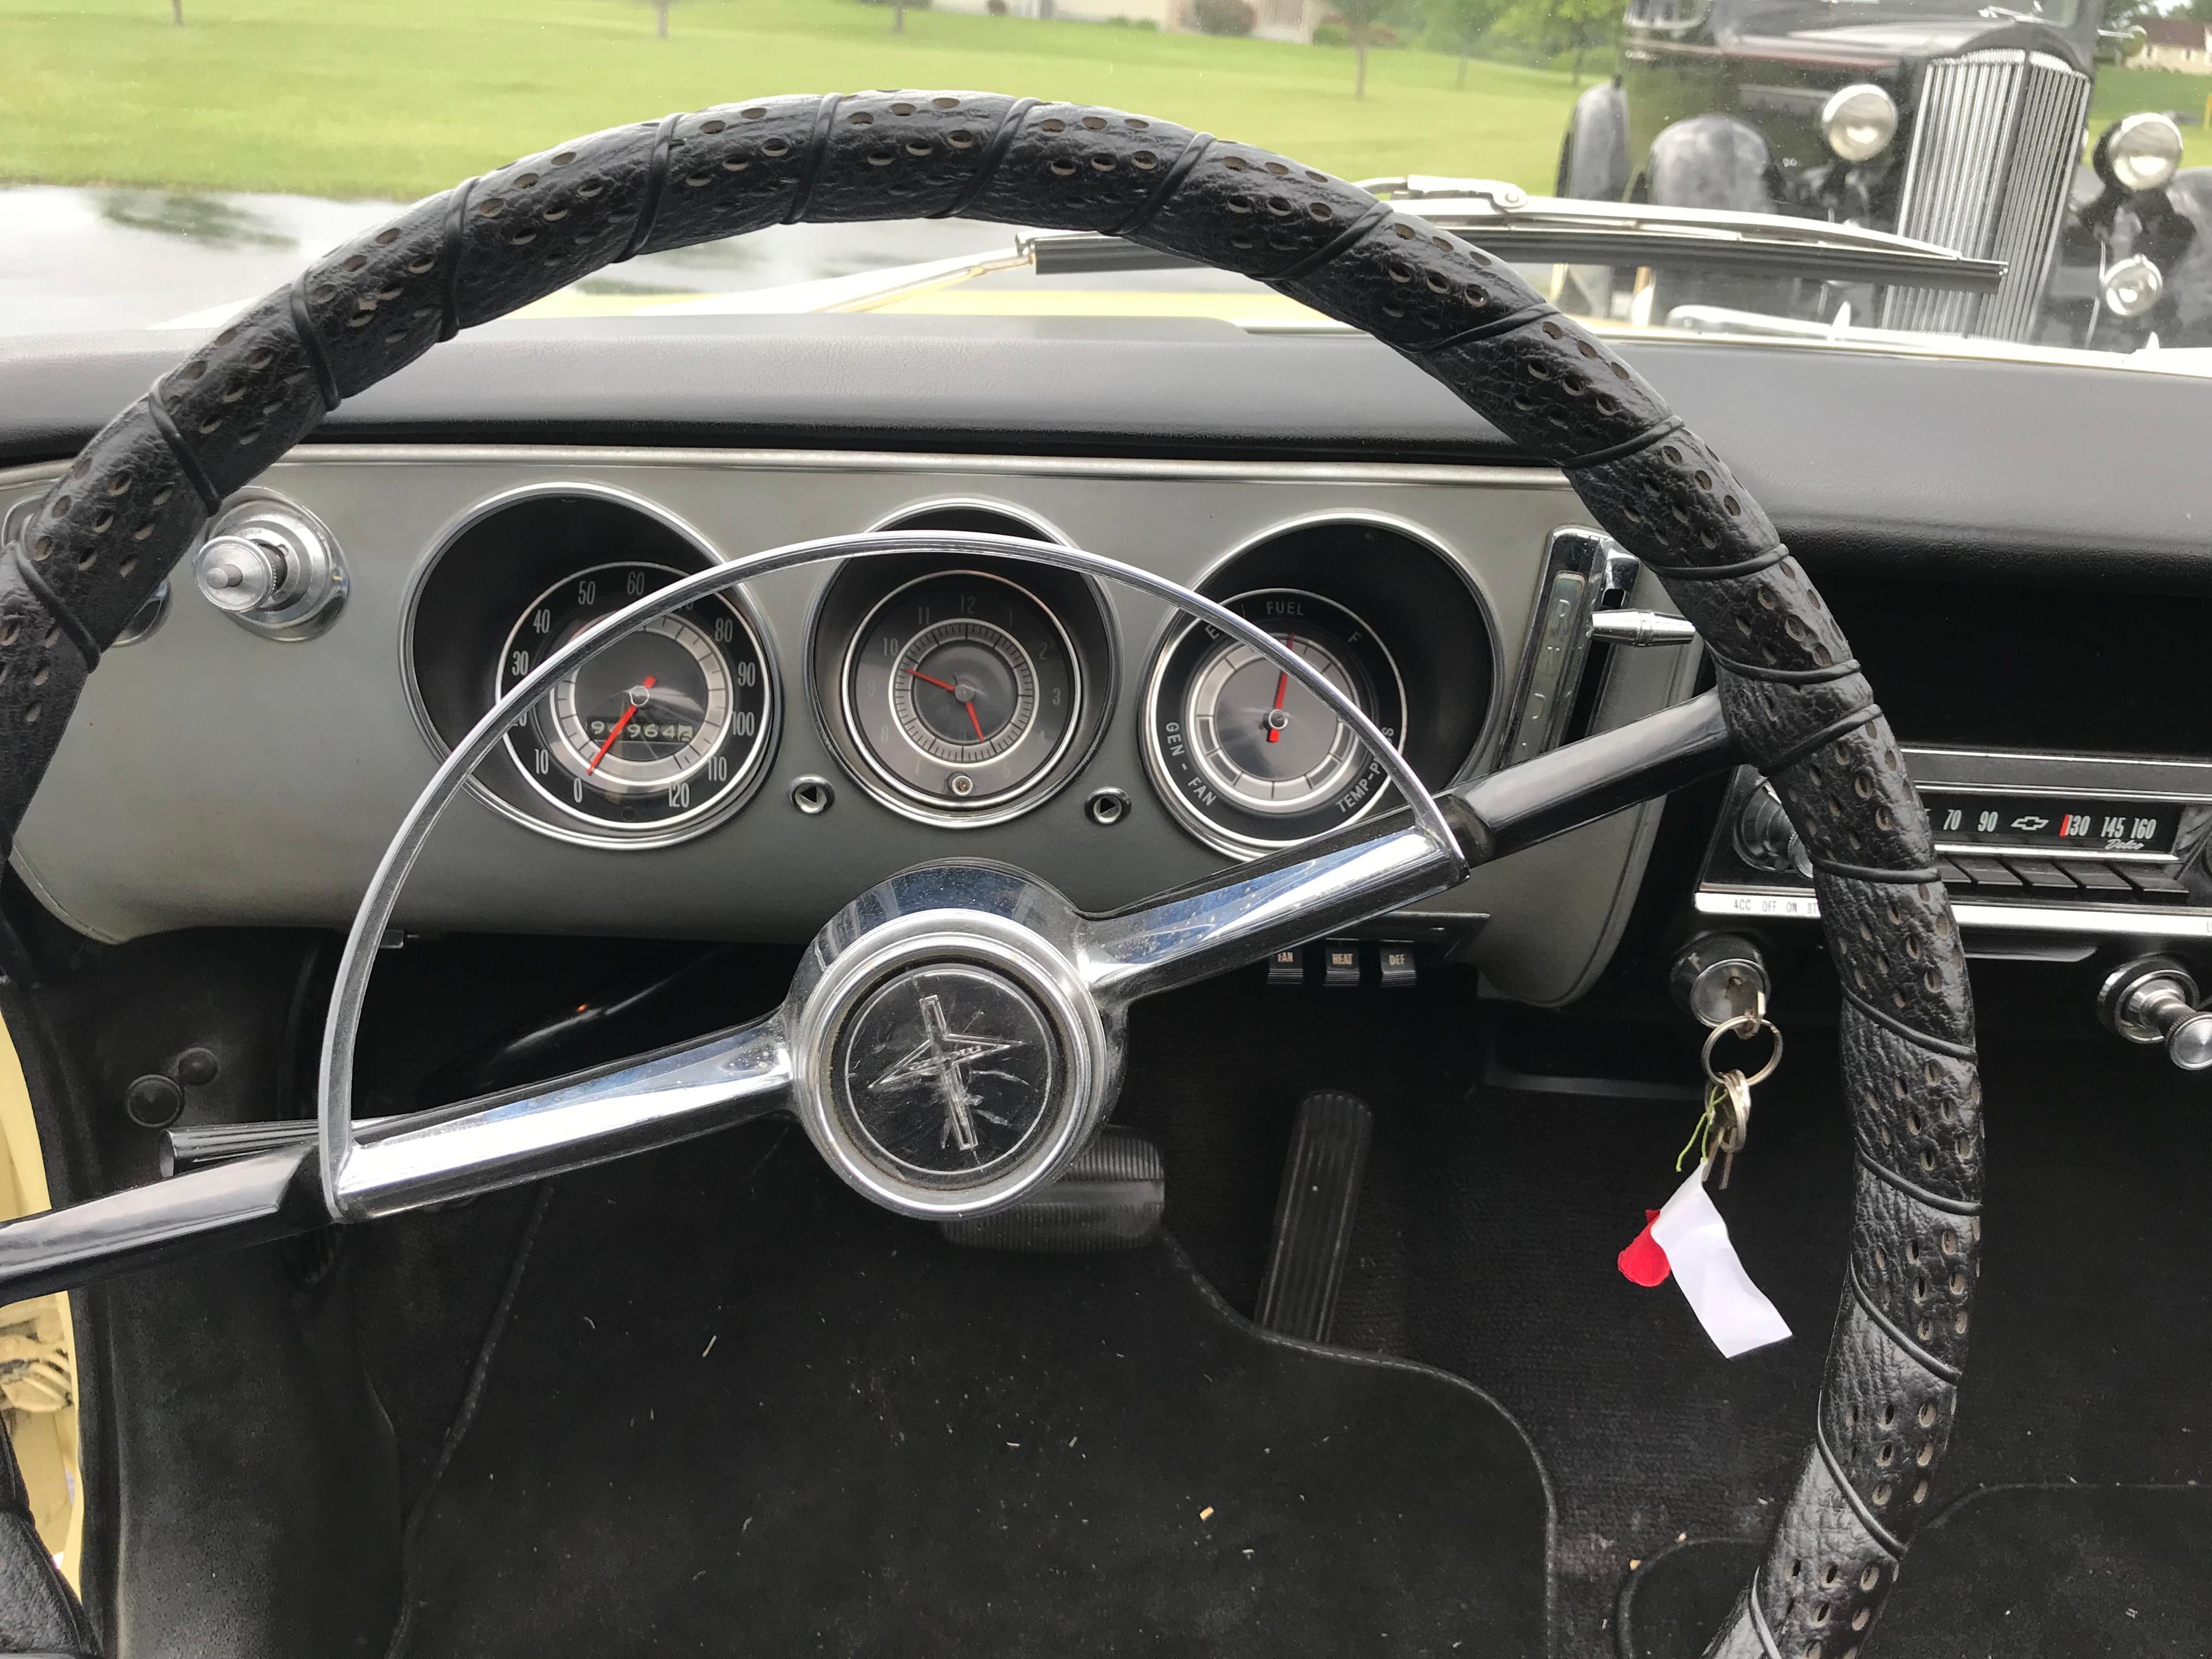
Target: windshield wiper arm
[[1523, 229]]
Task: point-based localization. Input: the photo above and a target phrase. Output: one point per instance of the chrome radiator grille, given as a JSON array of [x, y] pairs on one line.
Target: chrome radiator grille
[[1994, 146]]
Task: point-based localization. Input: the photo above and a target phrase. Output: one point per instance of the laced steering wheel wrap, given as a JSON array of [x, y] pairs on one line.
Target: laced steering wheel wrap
[[1795, 703]]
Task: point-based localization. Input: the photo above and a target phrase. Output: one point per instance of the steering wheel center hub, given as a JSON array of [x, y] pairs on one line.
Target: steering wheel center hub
[[945, 1072], [948, 1056]]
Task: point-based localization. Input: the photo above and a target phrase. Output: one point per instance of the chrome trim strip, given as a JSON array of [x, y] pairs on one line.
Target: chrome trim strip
[[878, 460], [2017, 771], [2135, 922]]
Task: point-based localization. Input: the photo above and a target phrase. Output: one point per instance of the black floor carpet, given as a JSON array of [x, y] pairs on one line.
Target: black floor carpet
[[2027, 1572], [736, 1409], [1486, 1238]]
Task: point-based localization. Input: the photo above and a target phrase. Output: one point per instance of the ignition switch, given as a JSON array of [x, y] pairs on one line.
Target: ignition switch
[[1720, 977]]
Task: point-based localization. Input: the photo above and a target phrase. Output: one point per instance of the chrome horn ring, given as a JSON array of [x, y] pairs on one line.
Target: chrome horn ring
[[1043, 988]]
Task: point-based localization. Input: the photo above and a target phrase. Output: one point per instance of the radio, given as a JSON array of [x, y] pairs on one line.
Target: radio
[[2027, 842]]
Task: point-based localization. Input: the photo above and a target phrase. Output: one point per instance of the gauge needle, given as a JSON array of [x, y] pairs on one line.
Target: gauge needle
[[629, 715], [968, 703], [1282, 684]]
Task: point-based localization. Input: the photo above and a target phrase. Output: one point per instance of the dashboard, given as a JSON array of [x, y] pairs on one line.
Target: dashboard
[[2026, 598], [745, 765]]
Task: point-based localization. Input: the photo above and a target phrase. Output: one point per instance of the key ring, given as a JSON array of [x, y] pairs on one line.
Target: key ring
[[1746, 1026]]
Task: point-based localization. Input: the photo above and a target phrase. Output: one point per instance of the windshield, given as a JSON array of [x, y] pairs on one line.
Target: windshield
[[165, 161]]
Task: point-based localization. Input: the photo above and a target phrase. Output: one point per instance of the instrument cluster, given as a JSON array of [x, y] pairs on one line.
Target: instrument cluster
[[953, 690], [962, 691]]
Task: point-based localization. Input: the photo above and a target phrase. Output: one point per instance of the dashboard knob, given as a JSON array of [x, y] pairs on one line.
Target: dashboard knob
[[244, 573], [1764, 837], [2153, 1000], [271, 566]]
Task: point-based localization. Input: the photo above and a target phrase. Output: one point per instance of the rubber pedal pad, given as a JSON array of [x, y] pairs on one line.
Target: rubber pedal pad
[[1314, 1213], [1111, 1198]]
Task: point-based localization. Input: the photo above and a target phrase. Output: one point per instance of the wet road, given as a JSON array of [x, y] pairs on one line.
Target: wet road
[[99, 258]]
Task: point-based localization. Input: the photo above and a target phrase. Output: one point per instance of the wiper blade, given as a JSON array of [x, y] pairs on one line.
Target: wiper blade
[[1523, 229]]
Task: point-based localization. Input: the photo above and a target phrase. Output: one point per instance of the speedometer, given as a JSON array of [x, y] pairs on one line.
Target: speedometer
[[667, 727], [1252, 758]]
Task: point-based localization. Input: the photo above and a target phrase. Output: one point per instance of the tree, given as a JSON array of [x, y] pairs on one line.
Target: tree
[[660, 17], [1463, 22], [1360, 17], [177, 12], [1557, 27]]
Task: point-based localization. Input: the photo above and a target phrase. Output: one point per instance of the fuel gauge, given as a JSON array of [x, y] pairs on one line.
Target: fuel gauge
[[1251, 757]]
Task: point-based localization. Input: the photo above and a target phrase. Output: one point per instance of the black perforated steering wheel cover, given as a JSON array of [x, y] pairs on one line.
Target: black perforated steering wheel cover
[[140, 493]]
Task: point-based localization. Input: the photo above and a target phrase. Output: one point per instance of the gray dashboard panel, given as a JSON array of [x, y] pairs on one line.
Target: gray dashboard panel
[[212, 777]]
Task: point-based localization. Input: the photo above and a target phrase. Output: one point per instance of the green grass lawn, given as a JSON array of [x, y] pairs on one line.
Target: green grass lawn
[[2123, 92], [398, 98]]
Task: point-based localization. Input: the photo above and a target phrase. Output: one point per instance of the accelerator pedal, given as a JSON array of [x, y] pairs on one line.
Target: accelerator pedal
[[1110, 1198], [1314, 1213]]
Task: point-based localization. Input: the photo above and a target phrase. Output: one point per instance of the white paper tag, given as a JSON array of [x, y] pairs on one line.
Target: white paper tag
[[1735, 1312]]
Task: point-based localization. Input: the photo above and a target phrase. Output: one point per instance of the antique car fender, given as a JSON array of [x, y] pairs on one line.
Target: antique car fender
[[1711, 162], [1594, 155]]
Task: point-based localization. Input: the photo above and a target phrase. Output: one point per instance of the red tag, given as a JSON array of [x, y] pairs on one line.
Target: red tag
[[1644, 1262]]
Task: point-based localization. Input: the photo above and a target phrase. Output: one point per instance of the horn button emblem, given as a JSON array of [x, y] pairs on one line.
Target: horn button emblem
[[946, 1072]]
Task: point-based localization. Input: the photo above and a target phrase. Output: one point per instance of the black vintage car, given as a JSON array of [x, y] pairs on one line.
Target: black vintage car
[[1952, 122]]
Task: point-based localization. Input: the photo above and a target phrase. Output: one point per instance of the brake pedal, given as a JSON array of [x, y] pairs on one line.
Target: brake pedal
[[1314, 1213], [1111, 1199]]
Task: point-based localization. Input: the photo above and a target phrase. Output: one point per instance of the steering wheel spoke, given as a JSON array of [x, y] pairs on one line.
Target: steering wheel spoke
[[636, 1106]]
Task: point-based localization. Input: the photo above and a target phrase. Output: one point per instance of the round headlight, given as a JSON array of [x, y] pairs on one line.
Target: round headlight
[[1859, 122], [2132, 286], [2143, 151]]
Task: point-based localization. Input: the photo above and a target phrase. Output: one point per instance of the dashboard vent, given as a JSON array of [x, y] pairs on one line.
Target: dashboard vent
[[1994, 144]]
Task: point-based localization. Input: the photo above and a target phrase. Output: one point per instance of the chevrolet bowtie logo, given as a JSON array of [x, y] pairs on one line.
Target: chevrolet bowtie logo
[[942, 1057]]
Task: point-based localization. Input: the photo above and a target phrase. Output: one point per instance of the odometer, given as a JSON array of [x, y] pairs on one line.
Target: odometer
[[1252, 758], [663, 729]]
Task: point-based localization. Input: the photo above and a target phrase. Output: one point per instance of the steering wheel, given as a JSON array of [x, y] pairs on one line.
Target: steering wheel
[[995, 954]]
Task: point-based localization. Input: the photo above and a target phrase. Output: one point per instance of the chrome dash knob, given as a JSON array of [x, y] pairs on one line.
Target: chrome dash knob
[[2153, 1000], [271, 566], [245, 573]]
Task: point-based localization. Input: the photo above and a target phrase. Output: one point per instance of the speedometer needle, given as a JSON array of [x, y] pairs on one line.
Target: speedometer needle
[[1282, 684], [629, 715], [968, 703]]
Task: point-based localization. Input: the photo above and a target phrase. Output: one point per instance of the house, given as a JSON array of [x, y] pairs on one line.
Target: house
[[2175, 43], [1275, 20]]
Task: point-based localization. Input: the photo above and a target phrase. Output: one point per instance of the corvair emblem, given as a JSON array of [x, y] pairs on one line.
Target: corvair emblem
[[942, 1057]]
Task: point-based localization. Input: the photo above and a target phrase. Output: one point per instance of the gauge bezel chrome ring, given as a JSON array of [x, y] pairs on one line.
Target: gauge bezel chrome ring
[[758, 751], [1218, 837], [601, 837], [877, 779]]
